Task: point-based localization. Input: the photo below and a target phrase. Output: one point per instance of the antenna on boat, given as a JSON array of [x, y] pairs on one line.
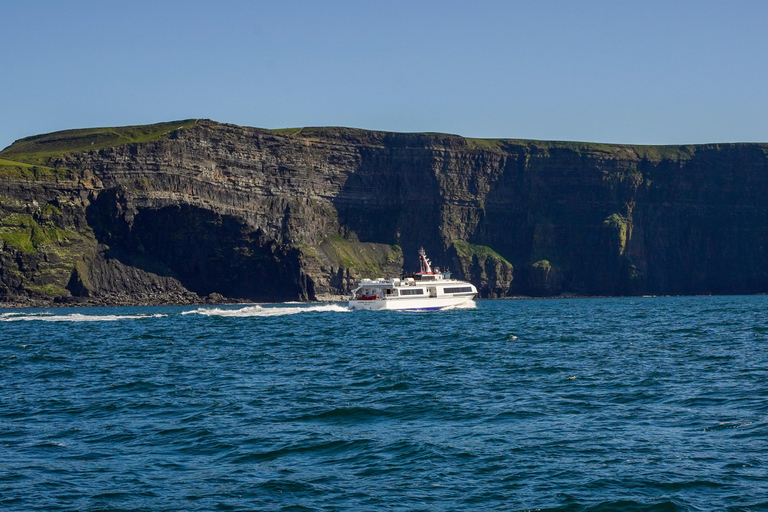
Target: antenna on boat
[[424, 263]]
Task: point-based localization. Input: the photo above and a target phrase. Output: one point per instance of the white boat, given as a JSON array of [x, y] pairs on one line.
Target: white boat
[[429, 289]]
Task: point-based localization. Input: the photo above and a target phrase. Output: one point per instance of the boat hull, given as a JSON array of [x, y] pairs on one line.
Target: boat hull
[[408, 304]]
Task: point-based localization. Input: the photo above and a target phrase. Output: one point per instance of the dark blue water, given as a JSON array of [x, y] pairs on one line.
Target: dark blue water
[[568, 405]]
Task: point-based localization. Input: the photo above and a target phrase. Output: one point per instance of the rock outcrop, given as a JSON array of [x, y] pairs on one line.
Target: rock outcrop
[[182, 211]]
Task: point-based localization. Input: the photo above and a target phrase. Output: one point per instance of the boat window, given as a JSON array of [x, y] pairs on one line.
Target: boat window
[[414, 291], [458, 289]]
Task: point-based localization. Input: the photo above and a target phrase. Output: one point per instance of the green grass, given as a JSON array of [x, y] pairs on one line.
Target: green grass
[[347, 254], [343, 252], [51, 290], [22, 231], [287, 131], [659, 153], [40, 149], [25, 171], [616, 221], [11, 163], [22, 220], [48, 211], [619, 225], [467, 250], [653, 153], [366, 258], [629, 151], [306, 250], [21, 239], [495, 145], [542, 264]]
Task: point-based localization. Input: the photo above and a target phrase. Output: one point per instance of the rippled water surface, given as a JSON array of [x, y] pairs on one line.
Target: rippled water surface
[[579, 404]]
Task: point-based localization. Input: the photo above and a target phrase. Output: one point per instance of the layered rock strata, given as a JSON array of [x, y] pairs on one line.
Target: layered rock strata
[[197, 210]]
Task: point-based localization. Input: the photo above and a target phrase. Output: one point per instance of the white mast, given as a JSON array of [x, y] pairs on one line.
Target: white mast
[[424, 263]]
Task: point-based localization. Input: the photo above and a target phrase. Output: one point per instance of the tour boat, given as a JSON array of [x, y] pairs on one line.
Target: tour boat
[[428, 289]]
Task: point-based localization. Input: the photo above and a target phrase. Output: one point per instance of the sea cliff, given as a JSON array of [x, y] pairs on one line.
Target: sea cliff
[[196, 211]]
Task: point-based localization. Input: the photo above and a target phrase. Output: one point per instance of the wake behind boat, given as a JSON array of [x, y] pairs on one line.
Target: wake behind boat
[[428, 289]]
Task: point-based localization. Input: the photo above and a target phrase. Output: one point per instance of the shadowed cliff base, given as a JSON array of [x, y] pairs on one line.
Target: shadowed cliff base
[[200, 250], [181, 211]]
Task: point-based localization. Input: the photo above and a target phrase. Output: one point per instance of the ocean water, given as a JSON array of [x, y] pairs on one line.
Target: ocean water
[[636, 404]]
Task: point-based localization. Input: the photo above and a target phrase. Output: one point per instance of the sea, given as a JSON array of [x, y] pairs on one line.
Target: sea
[[579, 404]]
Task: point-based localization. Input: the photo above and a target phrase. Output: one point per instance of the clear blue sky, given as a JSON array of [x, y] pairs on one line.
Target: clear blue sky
[[650, 72]]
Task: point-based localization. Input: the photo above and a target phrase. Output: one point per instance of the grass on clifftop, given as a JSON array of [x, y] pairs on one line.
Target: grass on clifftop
[[40, 149], [495, 145], [287, 131], [22, 171], [619, 151]]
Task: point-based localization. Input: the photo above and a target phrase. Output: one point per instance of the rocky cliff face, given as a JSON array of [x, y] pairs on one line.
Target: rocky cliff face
[[182, 211]]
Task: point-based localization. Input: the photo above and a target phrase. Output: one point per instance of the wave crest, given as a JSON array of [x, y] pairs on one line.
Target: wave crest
[[72, 317], [259, 311], [466, 305]]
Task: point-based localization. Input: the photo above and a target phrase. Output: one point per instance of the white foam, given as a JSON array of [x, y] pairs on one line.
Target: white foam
[[465, 305], [259, 311], [6, 315], [73, 317]]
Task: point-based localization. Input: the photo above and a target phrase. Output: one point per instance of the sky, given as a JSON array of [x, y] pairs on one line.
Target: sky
[[650, 72]]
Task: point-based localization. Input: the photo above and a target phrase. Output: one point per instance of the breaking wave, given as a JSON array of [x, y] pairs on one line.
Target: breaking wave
[[467, 305], [260, 311], [72, 317]]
